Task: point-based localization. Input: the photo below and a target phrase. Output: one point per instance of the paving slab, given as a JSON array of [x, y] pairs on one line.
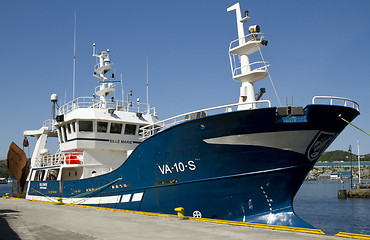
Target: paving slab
[[22, 219]]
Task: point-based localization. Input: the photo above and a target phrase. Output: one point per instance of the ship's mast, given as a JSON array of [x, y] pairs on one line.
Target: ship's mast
[[103, 66], [242, 72]]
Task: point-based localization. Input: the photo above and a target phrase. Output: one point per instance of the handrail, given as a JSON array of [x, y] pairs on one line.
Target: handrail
[[331, 98], [264, 67], [152, 129], [48, 123], [93, 102], [50, 160], [251, 35], [106, 63], [112, 85], [57, 159]]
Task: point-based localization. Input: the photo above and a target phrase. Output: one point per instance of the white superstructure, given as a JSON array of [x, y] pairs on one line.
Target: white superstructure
[[96, 134]]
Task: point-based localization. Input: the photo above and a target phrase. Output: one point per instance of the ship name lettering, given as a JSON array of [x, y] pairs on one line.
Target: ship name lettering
[[176, 167], [120, 141], [192, 165]]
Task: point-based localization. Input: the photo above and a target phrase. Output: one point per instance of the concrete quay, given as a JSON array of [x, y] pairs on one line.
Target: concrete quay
[[23, 219]]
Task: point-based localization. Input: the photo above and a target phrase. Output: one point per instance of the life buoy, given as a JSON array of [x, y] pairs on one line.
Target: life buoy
[[72, 159]]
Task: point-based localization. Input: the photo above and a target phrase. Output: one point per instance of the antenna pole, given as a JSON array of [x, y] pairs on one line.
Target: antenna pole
[[123, 98], [359, 165], [74, 57], [147, 85]]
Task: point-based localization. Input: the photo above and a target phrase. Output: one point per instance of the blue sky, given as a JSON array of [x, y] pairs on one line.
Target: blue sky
[[315, 48]]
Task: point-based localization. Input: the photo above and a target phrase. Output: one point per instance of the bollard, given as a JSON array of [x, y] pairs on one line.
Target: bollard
[[7, 195], [60, 201], [180, 211], [342, 194]]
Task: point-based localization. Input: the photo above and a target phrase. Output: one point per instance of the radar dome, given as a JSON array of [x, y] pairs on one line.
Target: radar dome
[[54, 97]]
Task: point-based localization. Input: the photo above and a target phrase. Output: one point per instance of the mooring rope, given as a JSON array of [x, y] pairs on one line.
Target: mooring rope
[[268, 73], [340, 116], [82, 194], [95, 191], [48, 197]]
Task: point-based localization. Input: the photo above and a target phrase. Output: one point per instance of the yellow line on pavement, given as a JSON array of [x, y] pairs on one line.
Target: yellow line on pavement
[[352, 235]]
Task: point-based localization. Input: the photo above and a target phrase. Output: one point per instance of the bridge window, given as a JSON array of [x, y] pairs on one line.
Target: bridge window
[[73, 124], [116, 128], [52, 174], [85, 126], [64, 133], [39, 175], [60, 135], [102, 127], [130, 129], [69, 128]]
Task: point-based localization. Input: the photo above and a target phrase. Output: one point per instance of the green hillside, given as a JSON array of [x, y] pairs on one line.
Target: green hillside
[[338, 155], [4, 173]]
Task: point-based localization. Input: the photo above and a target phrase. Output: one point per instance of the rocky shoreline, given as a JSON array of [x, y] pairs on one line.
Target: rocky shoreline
[[324, 172]]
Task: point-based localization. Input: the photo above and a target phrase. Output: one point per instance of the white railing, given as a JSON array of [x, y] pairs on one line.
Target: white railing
[[345, 101], [261, 66], [117, 105], [48, 123], [50, 160], [152, 129], [106, 85], [247, 38], [106, 63], [58, 159]]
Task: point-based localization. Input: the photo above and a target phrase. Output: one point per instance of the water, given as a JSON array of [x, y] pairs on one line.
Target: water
[[5, 188], [317, 203]]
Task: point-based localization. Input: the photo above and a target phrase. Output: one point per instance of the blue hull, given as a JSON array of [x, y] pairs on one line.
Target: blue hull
[[242, 166]]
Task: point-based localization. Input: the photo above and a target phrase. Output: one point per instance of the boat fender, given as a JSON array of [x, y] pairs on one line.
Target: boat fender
[[25, 142]]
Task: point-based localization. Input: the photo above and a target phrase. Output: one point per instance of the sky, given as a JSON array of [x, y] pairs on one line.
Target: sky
[[314, 47]]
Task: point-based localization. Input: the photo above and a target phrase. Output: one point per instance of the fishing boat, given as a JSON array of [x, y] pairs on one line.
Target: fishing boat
[[242, 162]]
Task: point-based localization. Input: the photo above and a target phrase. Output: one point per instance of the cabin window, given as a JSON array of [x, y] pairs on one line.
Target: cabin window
[[73, 125], [65, 133], [60, 135], [116, 128], [39, 175], [85, 126], [130, 129], [52, 174], [102, 127], [69, 128]]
